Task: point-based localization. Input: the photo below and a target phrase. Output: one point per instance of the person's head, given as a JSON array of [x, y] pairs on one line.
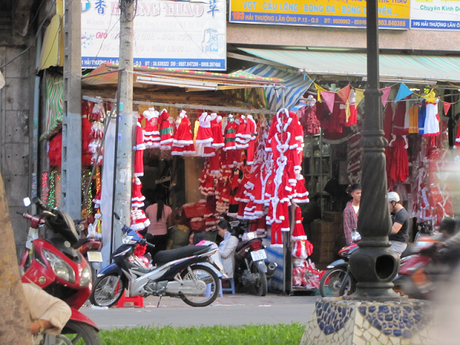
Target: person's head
[[199, 236], [223, 226], [393, 200], [448, 227], [191, 237], [355, 192]]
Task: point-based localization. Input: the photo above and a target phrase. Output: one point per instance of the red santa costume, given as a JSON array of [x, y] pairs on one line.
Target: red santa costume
[[216, 129], [183, 140], [151, 129], [251, 127], [137, 199], [204, 135], [138, 219], [165, 130], [284, 137], [139, 151]]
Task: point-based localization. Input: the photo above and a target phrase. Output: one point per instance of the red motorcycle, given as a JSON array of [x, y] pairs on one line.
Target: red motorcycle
[[59, 269], [90, 247], [338, 280], [423, 269]]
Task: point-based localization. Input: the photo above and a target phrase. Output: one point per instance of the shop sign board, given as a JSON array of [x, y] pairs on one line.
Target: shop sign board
[[172, 34], [435, 14], [393, 14]]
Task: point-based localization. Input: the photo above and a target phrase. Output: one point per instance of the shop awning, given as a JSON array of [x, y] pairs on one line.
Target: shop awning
[[107, 74], [394, 68]]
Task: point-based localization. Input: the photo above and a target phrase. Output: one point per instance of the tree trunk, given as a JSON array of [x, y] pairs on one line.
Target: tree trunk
[[14, 319]]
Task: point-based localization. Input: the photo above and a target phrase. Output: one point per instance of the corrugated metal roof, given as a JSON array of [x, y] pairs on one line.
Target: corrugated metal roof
[[107, 74], [422, 67]]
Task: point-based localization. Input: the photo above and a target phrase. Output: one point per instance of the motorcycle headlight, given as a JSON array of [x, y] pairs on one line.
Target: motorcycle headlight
[[128, 240], [60, 267], [85, 277]]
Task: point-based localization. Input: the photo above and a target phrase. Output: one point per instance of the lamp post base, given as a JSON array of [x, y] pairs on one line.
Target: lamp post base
[[340, 322]]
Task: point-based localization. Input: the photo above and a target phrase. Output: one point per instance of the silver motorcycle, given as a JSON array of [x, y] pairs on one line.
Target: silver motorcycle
[[189, 273]]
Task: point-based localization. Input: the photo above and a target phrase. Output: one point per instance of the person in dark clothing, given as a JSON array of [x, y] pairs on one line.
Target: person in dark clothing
[[399, 235]]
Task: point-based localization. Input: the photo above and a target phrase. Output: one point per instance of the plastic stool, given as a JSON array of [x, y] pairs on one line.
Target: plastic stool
[[208, 289], [138, 301], [232, 286]]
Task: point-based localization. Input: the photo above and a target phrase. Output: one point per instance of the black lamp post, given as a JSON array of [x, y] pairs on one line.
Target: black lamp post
[[374, 265]]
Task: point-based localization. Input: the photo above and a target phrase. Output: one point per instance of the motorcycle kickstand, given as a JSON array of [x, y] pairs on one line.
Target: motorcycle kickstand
[[158, 304]]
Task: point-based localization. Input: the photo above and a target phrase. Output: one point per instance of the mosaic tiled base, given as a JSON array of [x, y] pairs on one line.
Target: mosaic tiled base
[[340, 322]]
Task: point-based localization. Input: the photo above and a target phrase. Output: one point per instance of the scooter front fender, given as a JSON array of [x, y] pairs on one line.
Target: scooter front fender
[[110, 269], [338, 263], [79, 317]]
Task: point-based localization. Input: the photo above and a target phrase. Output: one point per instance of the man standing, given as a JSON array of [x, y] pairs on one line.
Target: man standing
[[350, 213], [399, 235]]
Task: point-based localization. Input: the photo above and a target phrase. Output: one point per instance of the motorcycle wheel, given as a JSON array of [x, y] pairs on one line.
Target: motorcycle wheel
[[331, 282], [207, 275], [106, 292], [348, 288], [260, 287], [81, 333]]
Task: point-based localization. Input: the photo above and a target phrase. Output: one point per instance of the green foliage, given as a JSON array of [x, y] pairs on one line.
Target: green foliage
[[221, 335]]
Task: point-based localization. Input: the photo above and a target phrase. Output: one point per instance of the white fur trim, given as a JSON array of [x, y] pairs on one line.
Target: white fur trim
[[204, 141]]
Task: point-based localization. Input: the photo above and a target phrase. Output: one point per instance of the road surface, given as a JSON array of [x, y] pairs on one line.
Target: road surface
[[229, 310]]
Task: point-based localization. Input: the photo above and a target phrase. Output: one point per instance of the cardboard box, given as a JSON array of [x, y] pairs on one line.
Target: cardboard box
[[333, 217]]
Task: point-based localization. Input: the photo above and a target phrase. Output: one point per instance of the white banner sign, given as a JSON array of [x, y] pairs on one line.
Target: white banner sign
[[171, 34], [435, 14]]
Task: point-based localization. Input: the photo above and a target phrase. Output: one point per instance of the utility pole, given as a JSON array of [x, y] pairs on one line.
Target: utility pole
[[124, 138], [71, 119]]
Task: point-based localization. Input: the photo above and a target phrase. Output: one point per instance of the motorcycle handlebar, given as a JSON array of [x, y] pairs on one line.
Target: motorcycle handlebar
[[41, 204]]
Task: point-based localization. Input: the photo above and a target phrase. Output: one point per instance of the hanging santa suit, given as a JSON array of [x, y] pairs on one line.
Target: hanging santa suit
[[138, 219], [137, 199], [284, 137], [216, 129], [151, 129], [183, 139], [98, 112], [165, 130], [204, 135], [251, 127], [139, 151]]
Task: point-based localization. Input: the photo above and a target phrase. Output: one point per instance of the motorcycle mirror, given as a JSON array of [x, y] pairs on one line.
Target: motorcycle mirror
[[117, 217], [26, 202]]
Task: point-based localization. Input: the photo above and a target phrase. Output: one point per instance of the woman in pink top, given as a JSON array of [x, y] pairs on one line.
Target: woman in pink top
[[157, 232]]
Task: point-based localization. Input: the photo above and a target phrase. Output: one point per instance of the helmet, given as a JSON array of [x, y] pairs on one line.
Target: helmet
[[393, 196]]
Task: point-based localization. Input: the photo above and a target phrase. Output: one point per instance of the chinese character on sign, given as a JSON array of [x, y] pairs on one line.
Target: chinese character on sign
[[212, 7], [100, 6]]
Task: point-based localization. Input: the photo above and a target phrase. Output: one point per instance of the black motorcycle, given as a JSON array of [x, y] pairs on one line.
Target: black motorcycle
[[252, 269]]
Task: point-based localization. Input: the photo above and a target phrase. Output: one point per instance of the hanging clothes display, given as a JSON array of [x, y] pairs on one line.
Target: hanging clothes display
[[151, 129]]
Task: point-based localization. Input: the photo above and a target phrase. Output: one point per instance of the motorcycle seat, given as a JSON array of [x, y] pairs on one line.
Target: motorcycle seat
[[243, 244], [165, 256]]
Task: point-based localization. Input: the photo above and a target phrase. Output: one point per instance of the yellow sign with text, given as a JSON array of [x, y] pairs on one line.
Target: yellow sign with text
[[393, 14]]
